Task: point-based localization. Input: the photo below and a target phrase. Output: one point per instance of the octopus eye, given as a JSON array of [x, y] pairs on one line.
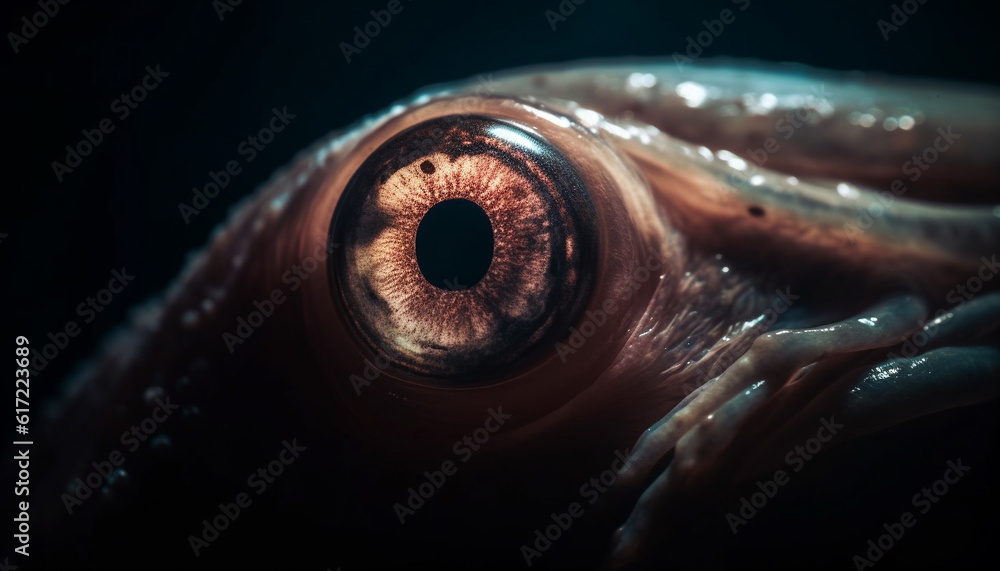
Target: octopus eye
[[468, 244]]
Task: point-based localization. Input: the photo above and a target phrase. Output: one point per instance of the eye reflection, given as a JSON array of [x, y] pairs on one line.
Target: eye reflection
[[455, 244]]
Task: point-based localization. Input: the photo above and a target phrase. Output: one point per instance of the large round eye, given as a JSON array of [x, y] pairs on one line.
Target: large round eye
[[468, 242]]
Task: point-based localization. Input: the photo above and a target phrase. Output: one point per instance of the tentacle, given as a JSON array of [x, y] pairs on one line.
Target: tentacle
[[738, 436], [774, 358], [701, 429]]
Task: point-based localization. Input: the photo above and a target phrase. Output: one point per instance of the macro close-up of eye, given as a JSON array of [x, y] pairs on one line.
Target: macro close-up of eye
[[466, 243], [576, 285]]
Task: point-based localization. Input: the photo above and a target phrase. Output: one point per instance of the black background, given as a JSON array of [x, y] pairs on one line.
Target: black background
[[120, 207]]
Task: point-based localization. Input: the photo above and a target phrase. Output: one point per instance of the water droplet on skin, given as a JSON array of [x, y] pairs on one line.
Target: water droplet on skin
[[182, 387], [118, 479], [694, 94], [191, 413], [151, 394], [208, 306], [160, 443], [641, 80], [189, 319], [847, 191], [115, 486], [182, 382]]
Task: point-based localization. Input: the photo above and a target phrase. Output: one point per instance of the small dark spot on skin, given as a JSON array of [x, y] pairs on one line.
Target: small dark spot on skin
[[756, 211], [427, 167]]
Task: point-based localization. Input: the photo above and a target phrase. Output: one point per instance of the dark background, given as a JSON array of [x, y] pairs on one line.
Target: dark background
[[120, 207]]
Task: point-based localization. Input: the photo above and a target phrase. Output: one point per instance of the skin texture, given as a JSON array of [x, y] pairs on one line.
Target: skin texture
[[713, 243]]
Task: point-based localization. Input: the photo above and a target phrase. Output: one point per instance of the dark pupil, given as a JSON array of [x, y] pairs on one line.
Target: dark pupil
[[455, 244]]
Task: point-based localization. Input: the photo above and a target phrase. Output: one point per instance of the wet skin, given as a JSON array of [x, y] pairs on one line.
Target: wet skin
[[672, 249]]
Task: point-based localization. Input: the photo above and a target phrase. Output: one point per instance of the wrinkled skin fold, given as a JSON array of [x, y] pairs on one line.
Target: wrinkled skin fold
[[761, 283]]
